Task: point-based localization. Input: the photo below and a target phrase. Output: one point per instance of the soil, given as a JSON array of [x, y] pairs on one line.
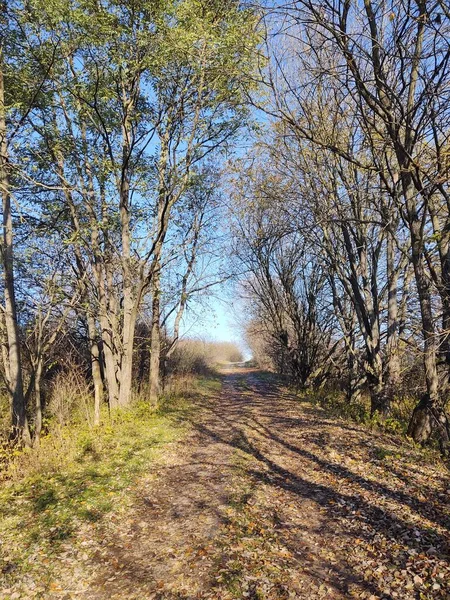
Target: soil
[[268, 497]]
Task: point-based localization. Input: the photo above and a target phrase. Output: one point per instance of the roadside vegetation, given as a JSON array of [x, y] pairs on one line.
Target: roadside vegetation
[[58, 496], [55, 500], [340, 209], [128, 196]]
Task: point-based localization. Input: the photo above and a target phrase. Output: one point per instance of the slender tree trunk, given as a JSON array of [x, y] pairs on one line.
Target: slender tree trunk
[[126, 366], [392, 357], [129, 321], [95, 366], [142, 364], [19, 423], [155, 341], [164, 206], [130, 299], [379, 402], [38, 401], [107, 318], [445, 295], [442, 232], [355, 381], [366, 303], [4, 345], [427, 414], [111, 366]]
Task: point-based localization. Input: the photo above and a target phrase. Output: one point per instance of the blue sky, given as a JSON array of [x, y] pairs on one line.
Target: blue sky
[[216, 319]]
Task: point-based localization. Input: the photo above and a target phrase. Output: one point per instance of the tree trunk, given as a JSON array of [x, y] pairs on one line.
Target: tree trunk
[[4, 345], [426, 419], [111, 366], [95, 365], [165, 203], [442, 232], [155, 342], [379, 402], [107, 318], [126, 366], [129, 299], [392, 358], [422, 422], [130, 306], [38, 402], [19, 423]]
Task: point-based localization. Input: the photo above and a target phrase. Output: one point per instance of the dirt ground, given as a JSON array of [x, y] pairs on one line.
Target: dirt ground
[[269, 498]]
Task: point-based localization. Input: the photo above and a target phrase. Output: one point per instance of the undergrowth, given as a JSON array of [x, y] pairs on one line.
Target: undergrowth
[[336, 404], [396, 424]]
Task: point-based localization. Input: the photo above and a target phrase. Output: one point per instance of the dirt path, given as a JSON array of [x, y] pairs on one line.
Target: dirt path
[[268, 498]]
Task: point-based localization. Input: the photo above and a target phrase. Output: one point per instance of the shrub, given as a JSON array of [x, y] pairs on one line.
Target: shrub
[[200, 357], [70, 397]]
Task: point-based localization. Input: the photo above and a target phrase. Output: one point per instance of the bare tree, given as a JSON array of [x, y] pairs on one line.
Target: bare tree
[[388, 65], [283, 281]]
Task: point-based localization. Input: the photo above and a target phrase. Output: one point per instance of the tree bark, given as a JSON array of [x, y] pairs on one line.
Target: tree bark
[[19, 422], [423, 420], [392, 357], [441, 229], [38, 401], [130, 300], [95, 366], [155, 341], [165, 203], [111, 366]]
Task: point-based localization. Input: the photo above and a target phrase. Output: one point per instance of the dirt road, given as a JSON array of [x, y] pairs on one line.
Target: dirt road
[[270, 498]]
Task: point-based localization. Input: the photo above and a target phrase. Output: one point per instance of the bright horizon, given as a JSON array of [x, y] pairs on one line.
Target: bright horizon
[[217, 320]]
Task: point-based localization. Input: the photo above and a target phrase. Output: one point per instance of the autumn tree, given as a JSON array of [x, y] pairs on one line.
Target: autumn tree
[[127, 118], [26, 59], [387, 64], [282, 279]]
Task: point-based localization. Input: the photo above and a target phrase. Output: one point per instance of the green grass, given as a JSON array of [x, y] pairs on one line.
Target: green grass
[[77, 478], [336, 404], [386, 454], [210, 384]]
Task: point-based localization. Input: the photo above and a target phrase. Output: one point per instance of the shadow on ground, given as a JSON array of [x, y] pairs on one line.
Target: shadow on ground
[[270, 498]]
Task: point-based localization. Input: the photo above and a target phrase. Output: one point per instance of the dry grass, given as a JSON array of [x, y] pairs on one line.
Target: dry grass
[[200, 357]]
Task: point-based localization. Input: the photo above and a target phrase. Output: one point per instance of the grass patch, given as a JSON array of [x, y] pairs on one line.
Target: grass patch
[[336, 404], [210, 384], [381, 453], [76, 479]]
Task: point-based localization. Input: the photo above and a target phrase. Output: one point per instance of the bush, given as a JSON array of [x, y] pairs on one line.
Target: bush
[[200, 357], [70, 396]]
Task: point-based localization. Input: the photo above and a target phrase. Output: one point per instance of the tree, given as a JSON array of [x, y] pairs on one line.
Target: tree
[[140, 97], [25, 62], [283, 280], [389, 64]]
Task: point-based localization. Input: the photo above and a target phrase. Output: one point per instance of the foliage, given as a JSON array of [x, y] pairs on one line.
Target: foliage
[[112, 113]]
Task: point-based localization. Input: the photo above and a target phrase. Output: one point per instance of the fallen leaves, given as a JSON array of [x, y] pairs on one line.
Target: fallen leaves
[[263, 499]]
